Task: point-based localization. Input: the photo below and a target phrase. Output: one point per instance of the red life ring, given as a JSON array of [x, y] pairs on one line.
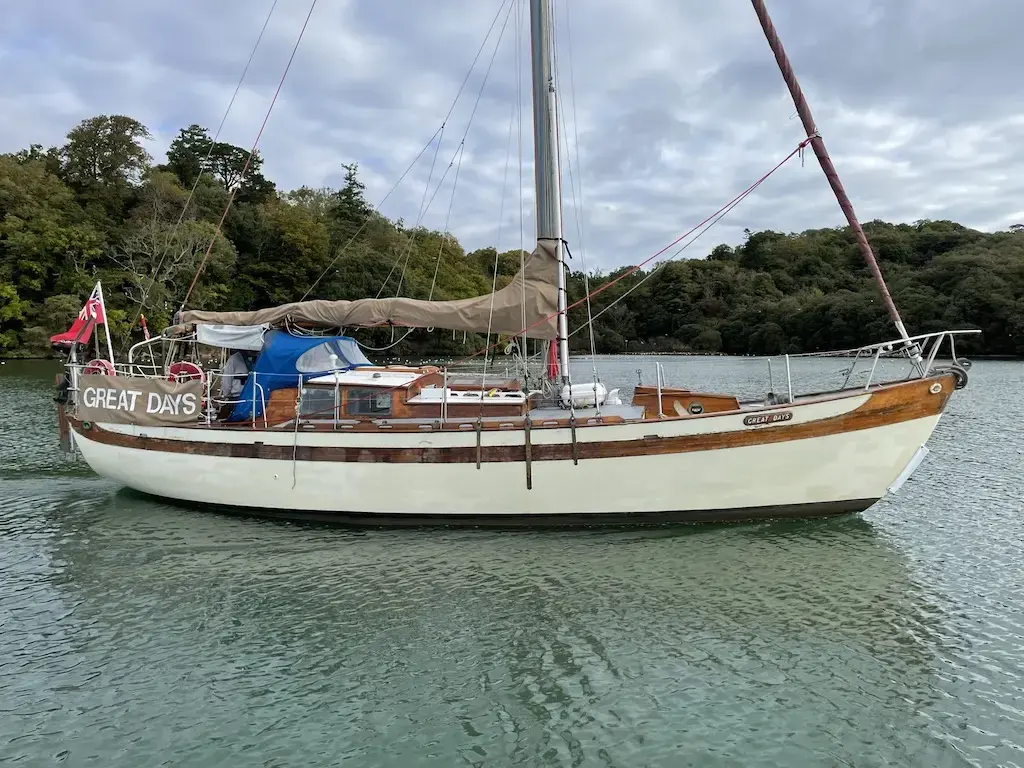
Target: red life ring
[[99, 367], [183, 370]]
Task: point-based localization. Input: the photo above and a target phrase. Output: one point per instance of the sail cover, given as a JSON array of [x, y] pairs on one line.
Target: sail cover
[[501, 311]]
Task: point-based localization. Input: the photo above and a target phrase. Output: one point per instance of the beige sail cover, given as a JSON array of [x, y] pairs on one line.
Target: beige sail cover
[[501, 312]]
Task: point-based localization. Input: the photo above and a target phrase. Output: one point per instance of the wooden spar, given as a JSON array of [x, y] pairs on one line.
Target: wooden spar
[[528, 453], [575, 445], [818, 145], [479, 439]]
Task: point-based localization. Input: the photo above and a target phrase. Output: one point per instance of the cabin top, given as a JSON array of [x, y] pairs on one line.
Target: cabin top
[[493, 396], [372, 377]]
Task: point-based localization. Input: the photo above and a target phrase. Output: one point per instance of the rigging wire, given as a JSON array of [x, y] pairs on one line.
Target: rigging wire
[[725, 208], [386, 347], [252, 153], [458, 152], [462, 147], [567, 373], [440, 130], [423, 202], [520, 16], [374, 209], [447, 221], [577, 203], [724, 212], [501, 222], [479, 51], [406, 250], [456, 161], [195, 184]]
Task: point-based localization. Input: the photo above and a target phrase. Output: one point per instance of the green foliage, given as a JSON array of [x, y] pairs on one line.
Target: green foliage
[[105, 151], [154, 257], [288, 250], [811, 291], [94, 208], [194, 152]]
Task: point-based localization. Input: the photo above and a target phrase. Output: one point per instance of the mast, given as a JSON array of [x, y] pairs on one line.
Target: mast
[[546, 159], [818, 145]]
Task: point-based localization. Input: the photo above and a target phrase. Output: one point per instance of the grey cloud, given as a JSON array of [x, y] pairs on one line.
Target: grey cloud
[[679, 105]]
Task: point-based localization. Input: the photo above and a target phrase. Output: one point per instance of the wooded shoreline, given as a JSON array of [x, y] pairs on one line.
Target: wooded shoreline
[[98, 208]]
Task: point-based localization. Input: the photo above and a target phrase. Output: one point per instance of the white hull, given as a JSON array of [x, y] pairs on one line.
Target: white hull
[[844, 471]]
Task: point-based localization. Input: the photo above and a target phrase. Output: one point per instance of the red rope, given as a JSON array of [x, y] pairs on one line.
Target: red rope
[[248, 160], [800, 147]]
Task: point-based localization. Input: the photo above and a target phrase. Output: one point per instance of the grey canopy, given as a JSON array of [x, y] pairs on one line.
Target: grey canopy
[[248, 337], [534, 288]]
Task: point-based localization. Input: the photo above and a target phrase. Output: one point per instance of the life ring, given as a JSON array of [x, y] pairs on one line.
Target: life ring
[[183, 370], [99, 367]]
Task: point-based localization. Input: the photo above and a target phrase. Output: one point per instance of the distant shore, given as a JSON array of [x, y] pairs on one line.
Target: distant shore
[[584, 355]]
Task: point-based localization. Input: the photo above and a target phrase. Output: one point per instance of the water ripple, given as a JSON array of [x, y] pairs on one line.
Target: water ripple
[[139, 633]]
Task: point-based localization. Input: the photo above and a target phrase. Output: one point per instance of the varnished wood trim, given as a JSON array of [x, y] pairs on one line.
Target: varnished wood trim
[[889, 405], [373, 425], [281, 406], [677, 402]]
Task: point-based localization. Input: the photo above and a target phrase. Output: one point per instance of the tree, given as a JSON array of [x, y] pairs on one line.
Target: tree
[[186, 157], [46, 246], [350, 210], [237, 167], [95, 209], [12, 314], [289, 251], [105, 150], [193, 153], [50, 159], [157, 257], [708, 340], [318, 202]]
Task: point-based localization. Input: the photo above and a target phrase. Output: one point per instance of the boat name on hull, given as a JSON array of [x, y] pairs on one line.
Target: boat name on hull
[[760, 419]]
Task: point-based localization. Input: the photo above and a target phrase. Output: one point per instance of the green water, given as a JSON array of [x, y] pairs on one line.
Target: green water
[[135, 633]]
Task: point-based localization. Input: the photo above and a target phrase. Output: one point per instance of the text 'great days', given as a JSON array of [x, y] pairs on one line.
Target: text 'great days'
[[130, 401]]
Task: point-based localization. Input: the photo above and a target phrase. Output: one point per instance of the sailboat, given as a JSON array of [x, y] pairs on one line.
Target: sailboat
[[299, 423]]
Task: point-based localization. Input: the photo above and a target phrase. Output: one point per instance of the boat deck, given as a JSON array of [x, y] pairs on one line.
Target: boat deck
[[626, 412]]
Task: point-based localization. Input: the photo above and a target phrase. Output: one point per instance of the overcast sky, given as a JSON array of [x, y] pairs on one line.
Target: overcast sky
[[678, 104]]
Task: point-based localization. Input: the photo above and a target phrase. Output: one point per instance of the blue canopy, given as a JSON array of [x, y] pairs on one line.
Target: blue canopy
[[286, 361]]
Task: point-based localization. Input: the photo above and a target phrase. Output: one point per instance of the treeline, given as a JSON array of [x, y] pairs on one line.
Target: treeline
[[98, 208]]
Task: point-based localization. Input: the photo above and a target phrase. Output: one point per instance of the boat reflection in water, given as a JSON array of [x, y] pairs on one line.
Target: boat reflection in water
[[544, 647]]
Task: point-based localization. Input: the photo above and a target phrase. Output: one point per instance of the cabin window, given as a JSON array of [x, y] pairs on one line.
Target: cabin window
[[319, 359], [316, 359], [317, 403], [368, 402]]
